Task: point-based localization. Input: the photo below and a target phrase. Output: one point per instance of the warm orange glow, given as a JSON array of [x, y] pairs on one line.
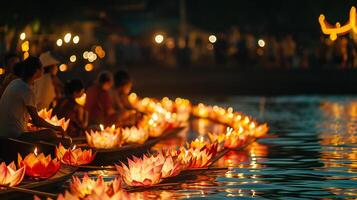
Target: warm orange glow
[[39, 166], [2, 71], [63, 67], [87, 188], [47, 115], [82, 99], [106, 138], [74, 156], [89, 67], [25, 46], [9, 175], [26, 55], [334, 31]]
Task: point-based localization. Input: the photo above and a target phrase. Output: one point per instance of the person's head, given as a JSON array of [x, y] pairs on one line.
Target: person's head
[[18, 68], [10, 60], [122, 82], [49, 63], [74, 88], [32, 69], [105, 80]]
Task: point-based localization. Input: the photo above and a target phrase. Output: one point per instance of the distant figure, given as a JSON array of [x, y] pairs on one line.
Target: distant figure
[[10, 59], [68, 107], [14, 74], [221, 50], [99, 102], [48, 87], [18, 104], [122, 83]]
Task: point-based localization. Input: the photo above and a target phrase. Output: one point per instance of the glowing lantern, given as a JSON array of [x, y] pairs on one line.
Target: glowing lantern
[[74, 156], [135, 135], [39, 166], [11, 176], [140, 172], [106, 138], [195, 158], [89, 187], [260, 131], [47, 116], [235, 139], [201, 111], [81, 100], [334, 31]]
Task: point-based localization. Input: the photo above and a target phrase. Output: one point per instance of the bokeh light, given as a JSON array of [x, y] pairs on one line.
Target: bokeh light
[[159, 38], [89, 67], [212, 39]]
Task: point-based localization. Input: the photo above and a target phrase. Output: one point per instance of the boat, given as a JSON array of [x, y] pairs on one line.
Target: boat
[[54, 183], [110, 156]]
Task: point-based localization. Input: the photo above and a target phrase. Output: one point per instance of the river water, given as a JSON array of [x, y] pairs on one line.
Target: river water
[[310, 153]]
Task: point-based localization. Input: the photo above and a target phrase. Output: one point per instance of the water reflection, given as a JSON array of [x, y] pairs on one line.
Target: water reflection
[[312, 154]]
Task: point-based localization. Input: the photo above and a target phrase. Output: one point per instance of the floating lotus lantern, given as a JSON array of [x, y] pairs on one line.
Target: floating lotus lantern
[[170, 166], [47, 115], [74, 156], [201, 110], [259, 131], [195, 158], [155, 124], [141, 172], [106, 138], [87, 186], [9, 175], [235, 138], [39, 166], [135, 135]]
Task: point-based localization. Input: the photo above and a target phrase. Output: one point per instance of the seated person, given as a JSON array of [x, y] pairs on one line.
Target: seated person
[[68, 108], [99, 102], [17, 105], [122, 88]]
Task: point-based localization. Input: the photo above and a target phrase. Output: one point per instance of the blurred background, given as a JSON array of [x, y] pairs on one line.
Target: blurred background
[[190, 47]]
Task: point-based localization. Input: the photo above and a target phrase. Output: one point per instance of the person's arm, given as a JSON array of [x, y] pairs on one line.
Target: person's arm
[[38, 121]]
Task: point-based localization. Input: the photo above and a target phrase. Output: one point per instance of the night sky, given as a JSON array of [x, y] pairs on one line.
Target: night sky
[[212, 15]]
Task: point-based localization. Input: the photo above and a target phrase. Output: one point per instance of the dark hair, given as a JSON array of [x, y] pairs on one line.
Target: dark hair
[[121, 78], [30, 66], [104, 77], [72, 86], [18, 69]]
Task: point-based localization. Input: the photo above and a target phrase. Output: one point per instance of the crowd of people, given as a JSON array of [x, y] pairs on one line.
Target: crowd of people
[[241, 50], [32, 84]]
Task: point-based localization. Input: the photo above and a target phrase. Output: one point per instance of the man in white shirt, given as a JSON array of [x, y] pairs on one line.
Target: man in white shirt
[[18, 104]]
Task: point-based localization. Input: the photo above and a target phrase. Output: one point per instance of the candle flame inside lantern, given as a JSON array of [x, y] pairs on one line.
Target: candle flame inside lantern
[[101, 127], [35, 151]]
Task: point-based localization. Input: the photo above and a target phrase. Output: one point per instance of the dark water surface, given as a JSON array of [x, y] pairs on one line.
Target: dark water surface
[[311, 153]]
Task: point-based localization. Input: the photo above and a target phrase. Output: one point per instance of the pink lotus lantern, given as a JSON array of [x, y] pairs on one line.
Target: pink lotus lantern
[[141, 172], [39, 166], [106, 138], [74, 156], [9, 175], [87, 186]]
